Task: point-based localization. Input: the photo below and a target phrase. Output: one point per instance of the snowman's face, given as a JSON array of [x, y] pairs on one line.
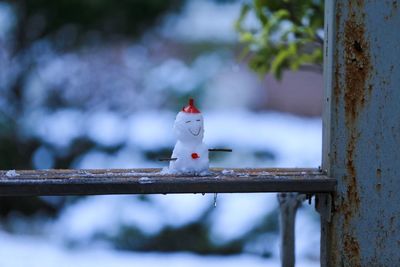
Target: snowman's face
[[189, 127]]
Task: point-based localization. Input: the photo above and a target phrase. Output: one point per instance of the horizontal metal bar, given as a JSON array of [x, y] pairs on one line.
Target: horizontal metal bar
[[220, 150], [155, 181]]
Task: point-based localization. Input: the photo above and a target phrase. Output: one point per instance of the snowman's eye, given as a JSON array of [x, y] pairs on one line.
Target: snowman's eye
[[188, 121], [197, 120]]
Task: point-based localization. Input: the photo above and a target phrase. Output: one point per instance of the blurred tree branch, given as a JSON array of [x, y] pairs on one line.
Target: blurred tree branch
[[287, 37]]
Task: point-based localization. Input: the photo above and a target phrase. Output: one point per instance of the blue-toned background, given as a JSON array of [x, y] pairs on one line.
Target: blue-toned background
[[96, 84]]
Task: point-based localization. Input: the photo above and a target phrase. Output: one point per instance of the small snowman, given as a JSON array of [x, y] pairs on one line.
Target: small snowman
[[190, 154]]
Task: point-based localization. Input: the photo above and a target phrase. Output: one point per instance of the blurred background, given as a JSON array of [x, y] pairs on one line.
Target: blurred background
[[97, 84]]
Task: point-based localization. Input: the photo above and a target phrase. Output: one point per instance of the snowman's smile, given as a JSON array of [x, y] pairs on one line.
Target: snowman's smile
[[194, 133]]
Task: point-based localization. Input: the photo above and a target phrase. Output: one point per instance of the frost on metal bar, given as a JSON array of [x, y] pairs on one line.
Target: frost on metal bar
[[154, 181]]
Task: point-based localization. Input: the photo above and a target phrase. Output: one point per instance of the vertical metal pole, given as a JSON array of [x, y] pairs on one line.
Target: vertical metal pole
[[361, 133], [288, 205]]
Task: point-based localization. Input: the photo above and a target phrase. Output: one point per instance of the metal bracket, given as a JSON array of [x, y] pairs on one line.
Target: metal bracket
[[288, 205]]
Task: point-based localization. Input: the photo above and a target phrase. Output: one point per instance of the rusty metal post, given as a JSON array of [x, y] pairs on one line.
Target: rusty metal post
[[362, 133]]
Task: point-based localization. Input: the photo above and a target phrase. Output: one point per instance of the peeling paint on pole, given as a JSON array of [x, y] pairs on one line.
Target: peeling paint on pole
[[361, 133]]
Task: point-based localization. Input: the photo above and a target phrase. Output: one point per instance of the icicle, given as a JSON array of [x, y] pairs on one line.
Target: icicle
[[215, 199]]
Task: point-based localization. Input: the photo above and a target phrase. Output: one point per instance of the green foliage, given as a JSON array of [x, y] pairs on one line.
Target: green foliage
[[287, 35]]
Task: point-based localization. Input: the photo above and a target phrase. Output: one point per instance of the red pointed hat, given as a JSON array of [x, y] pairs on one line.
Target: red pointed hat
[[191, 107]]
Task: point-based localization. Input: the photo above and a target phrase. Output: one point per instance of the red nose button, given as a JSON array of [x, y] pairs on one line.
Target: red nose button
[[195, 156]]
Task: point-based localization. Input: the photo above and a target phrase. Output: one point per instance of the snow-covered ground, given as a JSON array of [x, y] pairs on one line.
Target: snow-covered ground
[[296, 141], [22, 251], [88, 216]]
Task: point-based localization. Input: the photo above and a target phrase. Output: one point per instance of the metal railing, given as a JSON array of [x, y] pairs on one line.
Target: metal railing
[[154, 181]]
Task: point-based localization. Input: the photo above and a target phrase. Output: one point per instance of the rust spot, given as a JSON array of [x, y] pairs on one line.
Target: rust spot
[[358, 68], [393, 10], [352, 196], [381, 237], [337, 87], [350, 206], [392, 221], [357, 46], [378, 187], [357, 71], [352, 84], [352, 251], [370, 89]]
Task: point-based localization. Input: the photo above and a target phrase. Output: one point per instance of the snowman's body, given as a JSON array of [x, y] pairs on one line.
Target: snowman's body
[[186, 159], [190, 152]]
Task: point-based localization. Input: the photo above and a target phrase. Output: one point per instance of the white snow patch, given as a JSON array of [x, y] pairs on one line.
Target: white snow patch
[[172, 74], [151, 130], [295, 141], [180, 209], [123, 159], [11, 173], [107, 214], [228, 172], [16, 251], [59, 128], [205, 173], [238, 213], [167, 171], [106, 128], [145, 180]]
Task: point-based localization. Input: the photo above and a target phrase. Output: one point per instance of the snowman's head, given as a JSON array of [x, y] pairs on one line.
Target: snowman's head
[[189, 124]]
